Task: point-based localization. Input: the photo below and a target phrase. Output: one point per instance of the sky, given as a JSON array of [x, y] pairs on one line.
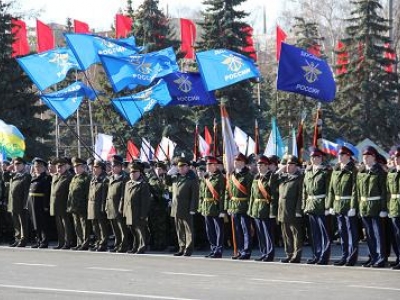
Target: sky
[[99, 14]]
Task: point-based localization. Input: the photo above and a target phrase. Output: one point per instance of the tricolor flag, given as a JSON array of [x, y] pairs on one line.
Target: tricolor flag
[[229, 146], [329, 147], [103, 146], [146, 151]]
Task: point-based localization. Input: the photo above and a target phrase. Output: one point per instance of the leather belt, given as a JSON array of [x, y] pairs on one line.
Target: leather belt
[[239, 199], [37, 194], [371, 198]]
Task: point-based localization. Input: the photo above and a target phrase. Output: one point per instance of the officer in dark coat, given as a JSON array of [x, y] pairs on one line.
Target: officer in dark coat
[[58, 203], [115, 194], [39, 202], [263, 204], [136, 207], [237, 200], [315, 190], [342, 199], [77, 202], [212, 198], [96, 205], [185, 201], [17, 200]]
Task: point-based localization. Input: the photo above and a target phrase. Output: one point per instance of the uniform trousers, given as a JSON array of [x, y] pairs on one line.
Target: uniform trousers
[[373, 232], [20, 223], [265, 237], [242, 228], [64, 230], [215, 233], [349, 238], [81, 229], [292, 238], [321, 243], [396, 236], [119, 229], [100, 231], [184, 230], [139, 228]]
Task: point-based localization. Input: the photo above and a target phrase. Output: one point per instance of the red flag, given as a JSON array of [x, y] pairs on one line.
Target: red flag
[[248, 30], [123, 25], [315, 50], [188, 37], [207, 135], [81, 27], [256, 138], [317, 139], [20, 43], [390, 55], [342, 59], [280, 37], [45, 37], [111, 153], [131, 151]]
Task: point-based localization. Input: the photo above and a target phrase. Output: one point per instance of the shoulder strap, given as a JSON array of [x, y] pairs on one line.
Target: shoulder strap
[[263, 191], [212, 189], [239, 185]]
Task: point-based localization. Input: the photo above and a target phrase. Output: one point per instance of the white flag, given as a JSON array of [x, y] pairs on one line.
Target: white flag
[[230, 148], [146, 151], [244, 142], [204, 147], [165, 150], [103, 145]]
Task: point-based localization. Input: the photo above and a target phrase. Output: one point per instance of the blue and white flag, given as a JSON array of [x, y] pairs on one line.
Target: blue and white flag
[[353, 148], [134, 106], [220, 68], [86, 47], [275, 145], [139, 69], [188, 89], [303, 73], [49, 67], [66, 101]]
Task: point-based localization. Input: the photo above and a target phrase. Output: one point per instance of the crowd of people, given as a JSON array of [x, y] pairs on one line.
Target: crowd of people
[[162, 204]]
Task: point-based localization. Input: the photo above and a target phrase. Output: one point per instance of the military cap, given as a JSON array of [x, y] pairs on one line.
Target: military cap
[[273, 159], [211, 160], [145, 165], [262, 159], [68, 160], [345, 150], [201, 168], [117, 160], [316, 152], [200, 163], [99, 163], [241, 157], [90, 161], [397, 152], [39, 161], [290, 159], [182, 162], [369, 150], [380, 159], [161, 164], [18, 160], [60, 161], [135, 166], [76, 161]]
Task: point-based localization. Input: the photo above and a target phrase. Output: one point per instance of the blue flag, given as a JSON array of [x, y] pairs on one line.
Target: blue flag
[[220, 68], [50, 67], [134, 106], [66, 101], [303, 73], [139, 69], [353, 148], [275, 144], [188, 89], [86, 47]]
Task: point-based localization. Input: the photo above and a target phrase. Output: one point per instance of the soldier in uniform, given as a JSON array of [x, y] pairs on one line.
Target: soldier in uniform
[[372, 205], [342, 199], [393, 203], [263, 204], [58, 203], [212, 193], [77, 202], [274, 186], [114, 199], [185, 201], [289, 208], [136, 207], [315, 190], [158, 213], [237, 203], [96, 205], [38, 203]]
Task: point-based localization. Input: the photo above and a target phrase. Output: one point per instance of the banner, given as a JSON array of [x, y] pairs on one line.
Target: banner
[[45, 37], [146, 151], [275, 145], [123, 26], [280, 38], [188, 37], [81, 27], [20, 44], [165, 150], [228, 142], [12, 142], [132, 152], [103, 146]]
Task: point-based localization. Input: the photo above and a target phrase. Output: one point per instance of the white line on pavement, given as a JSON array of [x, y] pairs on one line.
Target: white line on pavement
[[35, 265], [374, 287], [20, 287], [109, 269], [282, 281], [188, 274]]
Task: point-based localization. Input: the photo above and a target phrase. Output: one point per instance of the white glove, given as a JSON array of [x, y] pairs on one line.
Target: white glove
[[351, 212], [173, 171], [272, 217], [298, 215], [332, 211], [383, 214], [229, 213], [192, 212], [327, 212], [221, 215]]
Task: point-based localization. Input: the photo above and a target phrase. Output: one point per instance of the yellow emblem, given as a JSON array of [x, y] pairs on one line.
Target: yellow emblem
[[234, 63]]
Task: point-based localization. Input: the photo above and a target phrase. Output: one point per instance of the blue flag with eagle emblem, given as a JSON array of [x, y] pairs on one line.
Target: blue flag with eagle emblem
[[188, 89], [134, 106], [303, 73], [138, 69], [49, 67], [66, 101], [221, 67]]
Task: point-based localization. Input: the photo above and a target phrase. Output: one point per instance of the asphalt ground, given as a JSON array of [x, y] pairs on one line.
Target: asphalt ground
[[27, 273]]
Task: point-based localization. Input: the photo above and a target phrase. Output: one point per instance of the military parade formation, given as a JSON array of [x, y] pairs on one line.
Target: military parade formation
[[115, 206]]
